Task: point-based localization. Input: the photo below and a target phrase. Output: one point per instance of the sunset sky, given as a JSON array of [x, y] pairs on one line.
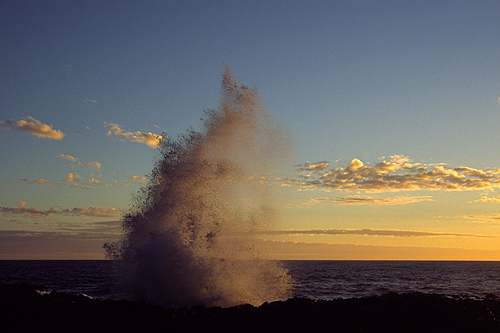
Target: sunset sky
[[393, 108]]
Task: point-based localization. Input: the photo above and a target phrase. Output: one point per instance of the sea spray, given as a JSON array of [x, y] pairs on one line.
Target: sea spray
[[190, 235]]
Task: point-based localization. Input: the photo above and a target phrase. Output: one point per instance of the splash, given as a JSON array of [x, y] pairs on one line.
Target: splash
[[189, 239]]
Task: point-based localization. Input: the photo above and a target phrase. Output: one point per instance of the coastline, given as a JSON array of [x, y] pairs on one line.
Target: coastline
[[24, 308]]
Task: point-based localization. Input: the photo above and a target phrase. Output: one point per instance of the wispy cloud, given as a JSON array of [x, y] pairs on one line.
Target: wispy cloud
[[314, 167], [37, 181], [364, 200], [397, 174], [486, 200], [98, 230], [137, 179], [93, 101], [68, 157], [35, 127], [81, 186], [366, 232], [482, 218], [93, 181], [89, 165], [150, 139], [71, 178]]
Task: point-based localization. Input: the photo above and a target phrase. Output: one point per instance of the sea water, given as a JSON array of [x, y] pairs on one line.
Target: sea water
[[346, 279], [324, 280]]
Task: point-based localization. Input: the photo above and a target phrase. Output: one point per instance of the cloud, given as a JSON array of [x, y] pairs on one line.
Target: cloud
[[93, 211], [366, 232], [363, 200], [150, 139], [94, 164], [96, 232], [93, 181], [487, 200], [34, 213], [90, 101], [72, 177], [315, 167], [27, 212], [68, 157], [482, 218], [140, 180], [397, 174], [34, 127], [81, 186], [38, 181]]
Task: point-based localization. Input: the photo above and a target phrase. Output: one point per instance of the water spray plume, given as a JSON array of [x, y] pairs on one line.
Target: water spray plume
[[190, 238]]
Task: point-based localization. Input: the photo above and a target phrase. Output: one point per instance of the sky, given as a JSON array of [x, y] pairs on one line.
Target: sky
[[393, 109]]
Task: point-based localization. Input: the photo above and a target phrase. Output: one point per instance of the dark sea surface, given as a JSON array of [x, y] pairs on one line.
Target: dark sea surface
[[313, 279]]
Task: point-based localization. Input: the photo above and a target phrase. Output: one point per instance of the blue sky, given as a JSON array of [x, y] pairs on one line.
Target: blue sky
[[362, 80]]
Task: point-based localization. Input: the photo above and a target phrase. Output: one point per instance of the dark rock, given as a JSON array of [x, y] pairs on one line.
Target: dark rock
[[22, 308]]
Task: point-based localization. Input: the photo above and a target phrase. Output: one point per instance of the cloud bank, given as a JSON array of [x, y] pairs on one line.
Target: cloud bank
[[397, 174], [365, 232], [363, 200], [485, 199], [34, 127], [34, 213]]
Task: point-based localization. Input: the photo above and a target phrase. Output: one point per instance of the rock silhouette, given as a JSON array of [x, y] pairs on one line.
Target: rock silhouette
[[24, 308]]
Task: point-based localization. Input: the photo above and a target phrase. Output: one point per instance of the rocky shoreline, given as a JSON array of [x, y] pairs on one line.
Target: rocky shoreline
[[24, 309]]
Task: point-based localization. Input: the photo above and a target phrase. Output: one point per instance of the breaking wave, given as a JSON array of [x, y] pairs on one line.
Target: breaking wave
[[189, 238]]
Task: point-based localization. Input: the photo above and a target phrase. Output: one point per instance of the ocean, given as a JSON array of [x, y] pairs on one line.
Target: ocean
[[325, 280]]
